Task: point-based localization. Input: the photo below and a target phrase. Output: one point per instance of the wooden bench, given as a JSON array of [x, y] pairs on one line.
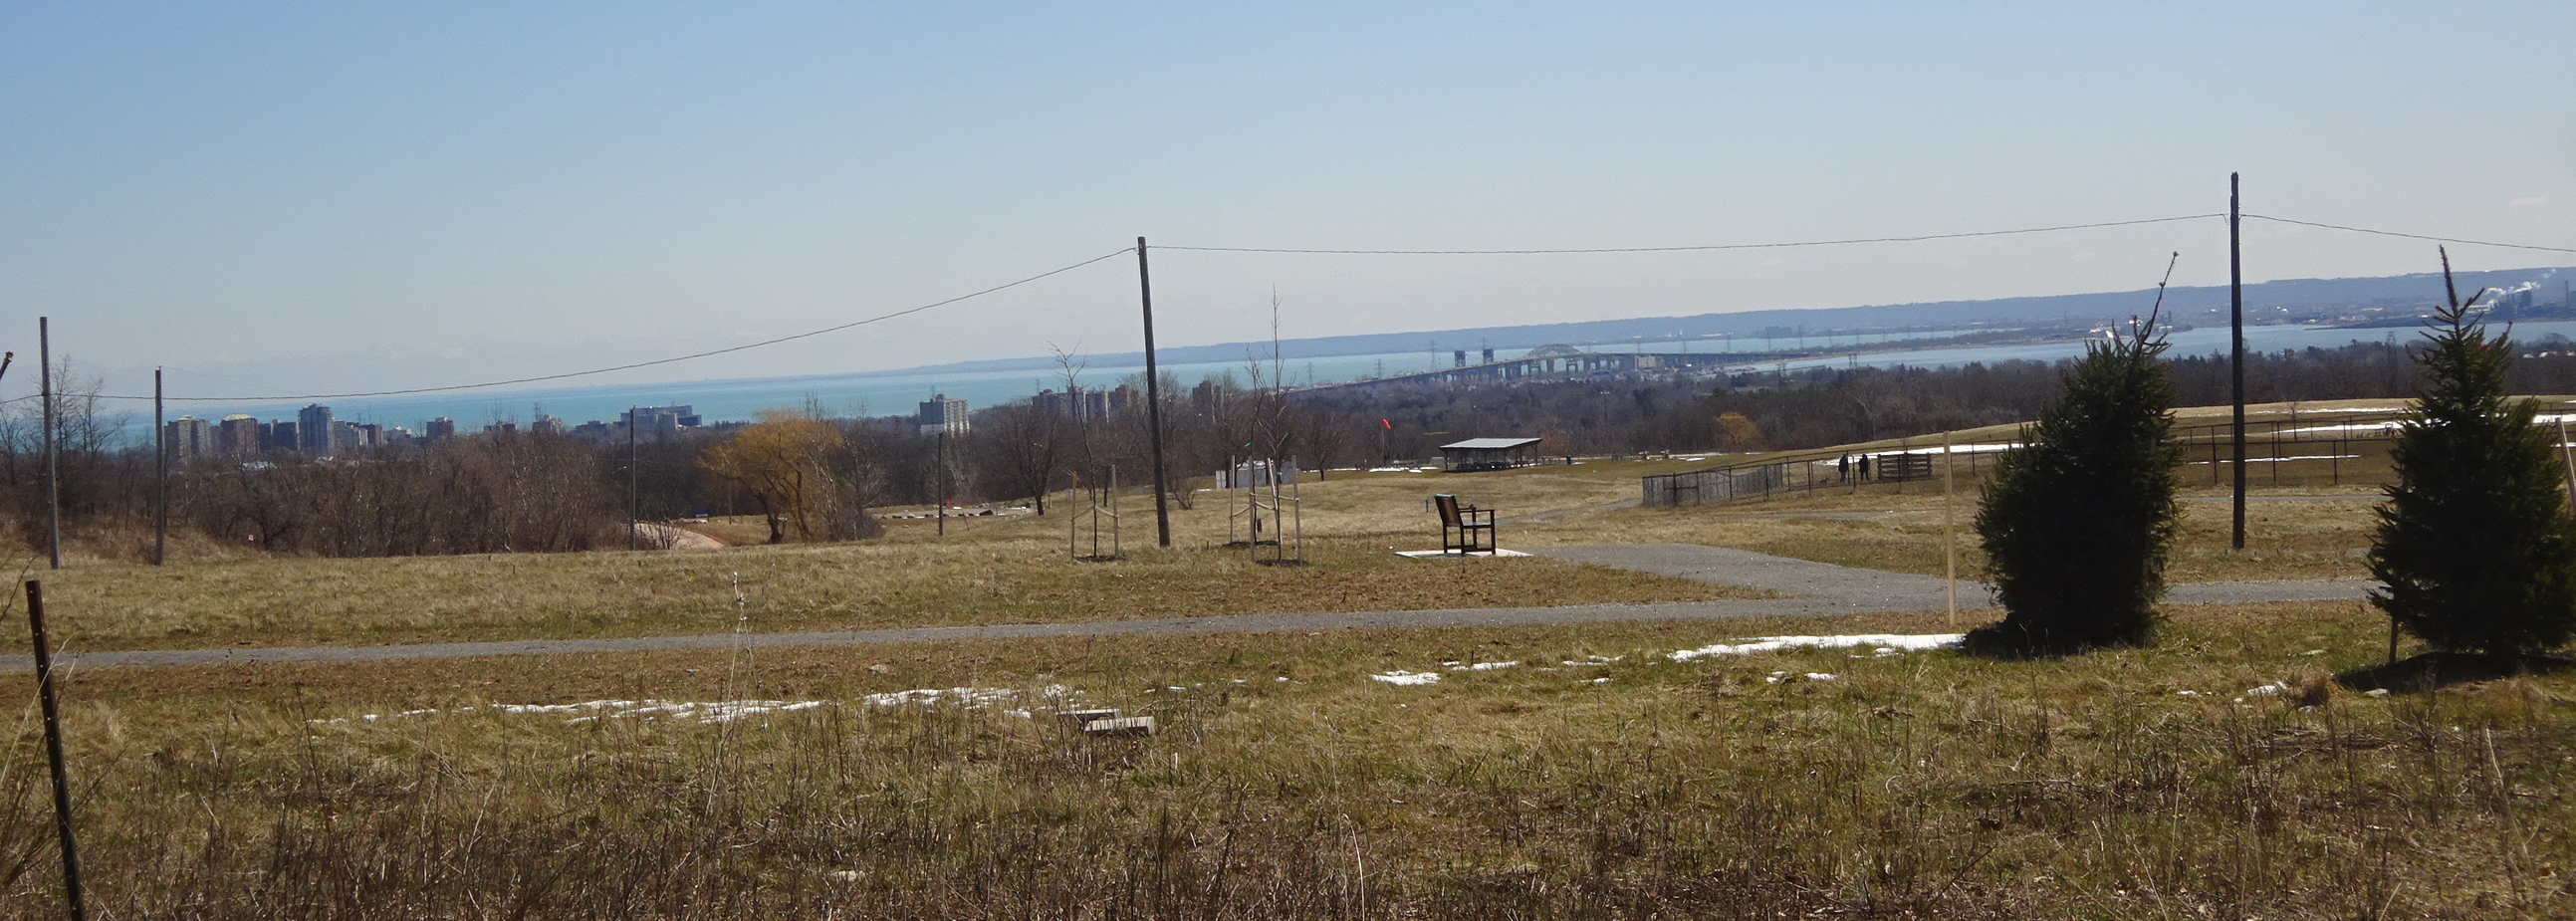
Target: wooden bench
[[1464, 528]]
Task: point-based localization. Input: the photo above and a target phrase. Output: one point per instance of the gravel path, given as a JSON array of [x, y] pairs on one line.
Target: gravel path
[[1809, 589]]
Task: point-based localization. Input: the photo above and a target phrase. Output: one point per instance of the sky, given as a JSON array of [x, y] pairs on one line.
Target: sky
[[289, 199]]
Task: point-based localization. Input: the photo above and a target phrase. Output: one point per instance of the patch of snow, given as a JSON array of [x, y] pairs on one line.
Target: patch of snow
[[969, 697], [2283, 460], [1883, 641], [1483, 667], [713, 711], [1820, 676], [1402, 678], [2264, 691]]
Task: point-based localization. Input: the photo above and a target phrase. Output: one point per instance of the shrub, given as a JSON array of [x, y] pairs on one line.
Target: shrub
[[2078, 521], [2474, 543]]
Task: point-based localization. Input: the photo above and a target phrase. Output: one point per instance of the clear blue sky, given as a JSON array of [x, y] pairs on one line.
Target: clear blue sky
[[330, 196]]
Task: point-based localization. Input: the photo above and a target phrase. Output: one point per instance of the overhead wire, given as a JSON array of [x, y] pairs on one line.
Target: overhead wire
[[1682, 249], [2411, 236], [640, 364], [1294, 251]]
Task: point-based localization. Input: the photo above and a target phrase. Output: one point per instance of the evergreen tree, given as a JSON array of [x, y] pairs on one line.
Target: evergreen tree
[[2078, 521], [2474, 543]]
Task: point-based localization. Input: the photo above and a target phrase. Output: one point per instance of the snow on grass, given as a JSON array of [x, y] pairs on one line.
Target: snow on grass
[[2264, 691], [726, 711], [713, 711], [1053, 696], [2283, 460], [1402, 678], [1777, 677], [1893, 643]]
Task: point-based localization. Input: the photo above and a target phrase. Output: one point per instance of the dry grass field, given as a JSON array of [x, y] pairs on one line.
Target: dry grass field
[[1015, 568], [2216, 774], [1287, 783]]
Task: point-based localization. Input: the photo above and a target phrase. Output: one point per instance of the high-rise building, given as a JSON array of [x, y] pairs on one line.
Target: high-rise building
[[314, 432], [941, 414], [439, 429], [187, 439], [659, 421], [238, 436], [280, 436]]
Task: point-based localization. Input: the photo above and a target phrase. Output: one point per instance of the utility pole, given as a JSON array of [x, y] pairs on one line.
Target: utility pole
[[634, 482], [939, 459], [1153, 401], [2236, 324], [160, 476], [53, 496], [1949, 531]]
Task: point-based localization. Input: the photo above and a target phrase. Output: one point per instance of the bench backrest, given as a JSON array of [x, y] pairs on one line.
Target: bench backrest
[[1448, 506]]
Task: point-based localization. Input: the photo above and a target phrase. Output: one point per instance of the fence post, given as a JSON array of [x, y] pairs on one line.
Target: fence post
[[54, 748], [2276, 452]]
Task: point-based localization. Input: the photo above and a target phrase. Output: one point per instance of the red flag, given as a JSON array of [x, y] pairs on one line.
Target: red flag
[[1389, 425]]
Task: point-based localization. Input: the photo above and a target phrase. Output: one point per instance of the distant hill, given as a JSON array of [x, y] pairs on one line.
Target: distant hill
[[2186, 305]]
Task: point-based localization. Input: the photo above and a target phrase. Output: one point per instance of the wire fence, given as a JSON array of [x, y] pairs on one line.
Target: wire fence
[[2327, 447]]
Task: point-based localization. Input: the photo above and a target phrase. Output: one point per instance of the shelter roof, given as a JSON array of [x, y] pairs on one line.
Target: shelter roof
[[1489, 444]]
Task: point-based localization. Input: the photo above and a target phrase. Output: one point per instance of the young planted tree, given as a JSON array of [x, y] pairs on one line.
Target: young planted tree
[[2475, 543], [2078, 521]]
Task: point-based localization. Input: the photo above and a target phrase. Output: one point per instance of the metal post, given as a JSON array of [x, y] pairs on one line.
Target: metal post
[[53, 495], [1153, 401], [54, 748], [2236, 325], [160, 476]]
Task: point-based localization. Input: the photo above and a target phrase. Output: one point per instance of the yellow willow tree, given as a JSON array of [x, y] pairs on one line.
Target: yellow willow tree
[[787, 462]]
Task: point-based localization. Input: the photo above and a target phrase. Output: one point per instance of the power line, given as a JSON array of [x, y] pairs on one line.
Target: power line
[[1336, 252], [642, 364], [1678, 249], [2410, 236]]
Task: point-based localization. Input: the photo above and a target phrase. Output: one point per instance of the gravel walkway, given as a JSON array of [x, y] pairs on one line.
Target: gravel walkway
[[1809, 589]]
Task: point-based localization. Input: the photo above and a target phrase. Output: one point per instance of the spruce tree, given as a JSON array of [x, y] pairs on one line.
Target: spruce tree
[[2078, 521], [2474, 543]]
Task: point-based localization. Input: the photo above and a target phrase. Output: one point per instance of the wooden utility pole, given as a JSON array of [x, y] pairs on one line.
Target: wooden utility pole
[[1949, 532], [1153, 402], [2236, 325], [54, 748], [939, 460], [634, 481], [160, 475], [53, 496]]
